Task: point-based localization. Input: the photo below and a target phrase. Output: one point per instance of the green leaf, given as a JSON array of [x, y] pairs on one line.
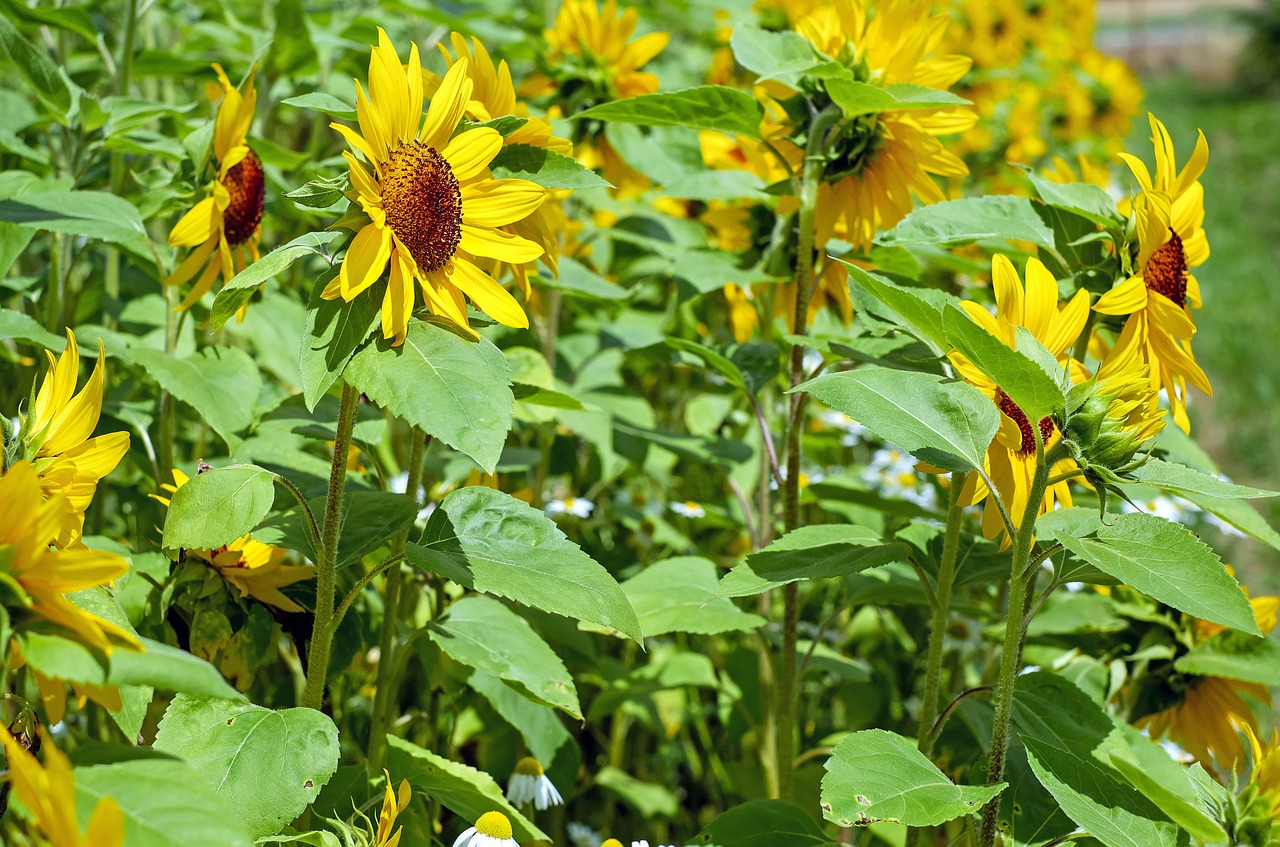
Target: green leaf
[[1181, 479], [1094, 798], [63, 658], [266, 765], [1037, 392], [764, 823], [1167, 562], [1235, 656], [860, 98], [164, 804], [1050, 708], [717, 362], [369, 520], [493, 543], [240, 289], [292, 50], [19, 327], [811, 552], [93, 214], [713, 107], [220, 383], [1146, 766], [576, 279], [1079, 198], [957, 222], [650, 800], [912, 305], [537, 724], [679, 595], [1239, 514], [39, 69], [484, 634], [318, 101], [319, 193], [874, 775], [333, 331], [169, 669], [452, 388], [545, 167], [949, 424], [783, 55], [218, 506], [466, 791]]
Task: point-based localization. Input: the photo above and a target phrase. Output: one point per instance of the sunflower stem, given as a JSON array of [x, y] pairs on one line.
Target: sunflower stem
[[327, 555]]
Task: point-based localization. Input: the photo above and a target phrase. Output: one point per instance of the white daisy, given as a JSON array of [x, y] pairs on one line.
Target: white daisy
[[582, 835], [575, 506], [689, 509], [491, 830], [529, 784]]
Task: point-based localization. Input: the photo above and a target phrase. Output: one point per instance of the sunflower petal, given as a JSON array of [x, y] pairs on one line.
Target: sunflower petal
[[498, 202], [197, 225], [470, 152], [492, 299], [365, 260], [496, 244]]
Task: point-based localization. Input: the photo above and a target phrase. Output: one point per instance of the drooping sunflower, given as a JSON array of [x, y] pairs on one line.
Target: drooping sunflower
[[56, 438], [1011, 458], [253, 568], [1169, 218], [432, 204], [49, 792], [493, 95], [880, 162], [223, 227]]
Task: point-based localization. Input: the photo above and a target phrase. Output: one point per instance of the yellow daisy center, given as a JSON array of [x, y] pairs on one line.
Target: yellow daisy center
[[423, 202], [529, 766], [611, 842], [1166, 270], [494, 825], [1015, 413], [247, 186]]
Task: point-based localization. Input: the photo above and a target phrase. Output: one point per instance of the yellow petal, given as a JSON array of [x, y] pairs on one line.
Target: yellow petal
[[1008, 290], [492, 299], [447, 106], [397, 302], [1126, 298], [365, 260], [496, 244], [498, 202], [193, 263], [1065, 326], [471, 152], [74, 422], [197, 225], [1041, 301]]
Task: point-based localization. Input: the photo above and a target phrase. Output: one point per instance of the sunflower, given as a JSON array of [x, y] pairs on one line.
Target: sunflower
[[223, 227], [592, 59], [50, 795], [56, 438], [393, 803], [432, 205], [42, 574], [493, 95], [1169, 220], [877, 163], [1011, 458], [255, 569]]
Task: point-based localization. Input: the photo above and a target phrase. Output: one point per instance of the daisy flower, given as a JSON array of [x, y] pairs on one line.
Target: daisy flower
[[492, 829], [689, 509], [575, 506], [529, 785]]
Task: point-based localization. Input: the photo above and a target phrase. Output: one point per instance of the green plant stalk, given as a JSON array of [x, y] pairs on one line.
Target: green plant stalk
[[164, 441], [1014, 633], [785, 712], [327, 556], [385, 682]]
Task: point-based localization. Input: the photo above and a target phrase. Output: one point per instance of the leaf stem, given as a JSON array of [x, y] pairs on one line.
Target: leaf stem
[[327, 554], [313, 528]]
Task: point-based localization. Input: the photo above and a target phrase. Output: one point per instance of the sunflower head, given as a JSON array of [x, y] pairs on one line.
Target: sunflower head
[[431, 207]]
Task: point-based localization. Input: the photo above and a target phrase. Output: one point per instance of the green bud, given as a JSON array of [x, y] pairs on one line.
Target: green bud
[[1254, 824]]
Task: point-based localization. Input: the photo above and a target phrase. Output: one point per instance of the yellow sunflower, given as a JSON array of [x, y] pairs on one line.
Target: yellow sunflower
[[57, 440], [393, 803], [883, 160], [433, 207], [255, 569], [1169, 218], [43, 574], [223, 227], [1011, 458], [50, 794], [494, 95]]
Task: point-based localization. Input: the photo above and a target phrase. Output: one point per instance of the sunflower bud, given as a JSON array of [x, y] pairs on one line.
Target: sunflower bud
[[1254, 825]]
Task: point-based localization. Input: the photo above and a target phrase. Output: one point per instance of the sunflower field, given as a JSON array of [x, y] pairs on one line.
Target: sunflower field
[[760, 423]]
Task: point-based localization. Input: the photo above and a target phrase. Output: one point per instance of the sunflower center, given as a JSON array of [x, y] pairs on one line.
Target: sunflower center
[[247, 187], [529, 766], [494, 825], [423, 203], [1015, 413], [1166, 270]]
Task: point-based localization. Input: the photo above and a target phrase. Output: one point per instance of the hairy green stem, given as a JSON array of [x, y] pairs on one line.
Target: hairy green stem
[[327, 556]]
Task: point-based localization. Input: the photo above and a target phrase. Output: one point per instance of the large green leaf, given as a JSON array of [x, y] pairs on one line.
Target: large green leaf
[[220, 383], [874, 775], [1169, 563], [764, 823], [1235, 656], [1078, 198], [856, 99], [545, 167], [1098, 801], [484, 634], [333, 331], [783, 55], [39, 69], [1148, 767], [1037, 392], [218, 506], [958, 222], [93, 214], [237, 292], [679, 595], [266, 765], [20, 327], [164, 804], [811, 552], [537, 724], [1239, 514], [923, 317], [1181, 479], [491, 542], [327, 104], [466, 791], [452, 388], [169, 669], [947, 423], [714, 107]]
